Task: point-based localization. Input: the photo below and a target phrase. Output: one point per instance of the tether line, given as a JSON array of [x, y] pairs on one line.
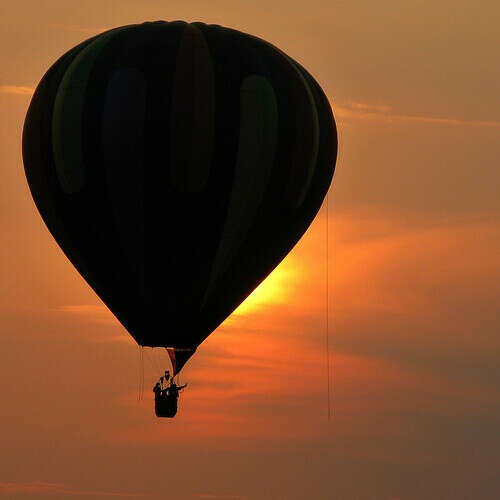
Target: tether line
[[327, 315]]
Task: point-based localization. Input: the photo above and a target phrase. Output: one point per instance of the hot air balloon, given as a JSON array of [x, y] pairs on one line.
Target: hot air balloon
[[176, 165]]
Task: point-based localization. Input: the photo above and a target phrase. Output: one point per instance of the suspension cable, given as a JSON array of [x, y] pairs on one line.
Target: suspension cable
[[327, 306]]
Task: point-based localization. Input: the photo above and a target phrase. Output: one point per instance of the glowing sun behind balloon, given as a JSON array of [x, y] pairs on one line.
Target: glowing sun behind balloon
[[277, 288]]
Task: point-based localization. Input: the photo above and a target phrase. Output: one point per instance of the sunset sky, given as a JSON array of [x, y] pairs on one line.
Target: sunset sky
[[413, 308]]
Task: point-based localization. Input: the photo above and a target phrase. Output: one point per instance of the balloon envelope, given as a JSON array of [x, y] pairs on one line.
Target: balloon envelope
[[176, 165]]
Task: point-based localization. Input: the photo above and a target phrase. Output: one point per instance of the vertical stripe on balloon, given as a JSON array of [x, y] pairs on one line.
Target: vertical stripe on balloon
[[67, 116], [306, 144], [254, 163], [123, 129], [192, 118]]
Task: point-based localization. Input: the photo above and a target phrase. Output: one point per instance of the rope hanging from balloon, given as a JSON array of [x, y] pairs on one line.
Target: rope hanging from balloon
[[140, 391], [327, 307]]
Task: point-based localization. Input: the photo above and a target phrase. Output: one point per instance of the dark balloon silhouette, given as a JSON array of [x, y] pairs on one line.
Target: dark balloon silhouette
[[176, 165]]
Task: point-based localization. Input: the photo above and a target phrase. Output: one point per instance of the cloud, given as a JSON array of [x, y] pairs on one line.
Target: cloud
[[48, 488], [16, 89], [369, 108], [406, 293], [356, 111], [214, 496], [92, 312]]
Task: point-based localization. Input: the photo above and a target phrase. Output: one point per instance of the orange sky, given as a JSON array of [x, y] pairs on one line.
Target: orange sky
[[414, 281]]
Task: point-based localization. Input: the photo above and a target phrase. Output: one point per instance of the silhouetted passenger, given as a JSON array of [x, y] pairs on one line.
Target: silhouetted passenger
[[173, 390], [157, 389], [167, 375]]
